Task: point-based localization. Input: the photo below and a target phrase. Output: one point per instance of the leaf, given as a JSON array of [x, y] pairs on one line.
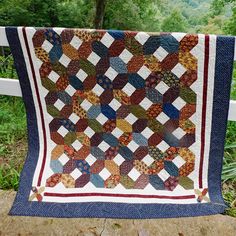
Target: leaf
[[229, 146]]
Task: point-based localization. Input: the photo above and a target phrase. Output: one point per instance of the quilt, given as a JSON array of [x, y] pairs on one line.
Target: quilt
[[122, 124]]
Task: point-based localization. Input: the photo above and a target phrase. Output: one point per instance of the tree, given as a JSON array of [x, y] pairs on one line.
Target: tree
[[76, 13], [142, 15], [29, 12], [65, 13], [230, 27], [217, 6], [175, 22], [100, 11], [214, 25]]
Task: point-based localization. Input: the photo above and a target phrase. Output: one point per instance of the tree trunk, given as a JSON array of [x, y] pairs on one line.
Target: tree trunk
[[100, 11]]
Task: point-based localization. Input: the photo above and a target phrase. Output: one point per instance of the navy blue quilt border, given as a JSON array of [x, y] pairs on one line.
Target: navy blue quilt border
[[223, 78], [23, 207]]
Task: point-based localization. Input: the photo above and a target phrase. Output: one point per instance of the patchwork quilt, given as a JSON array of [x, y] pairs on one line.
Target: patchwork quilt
[[122, 124]]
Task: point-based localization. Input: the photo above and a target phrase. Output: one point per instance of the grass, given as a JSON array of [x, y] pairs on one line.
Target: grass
[[13, 143], [229, 168], [13, 140], [229, 193]]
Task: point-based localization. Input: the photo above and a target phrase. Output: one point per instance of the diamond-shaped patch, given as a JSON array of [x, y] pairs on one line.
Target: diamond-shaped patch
[[178, 161], [162, 118], [47, 46], [163, 146], [64, 60], [111, 73], [148, 160], [81, 75], [75, 174], [94, 58], [62, 131], [126, 56], [107, 40], [105, 174], [74, 118], [144, 72], [118, 159], [75, 42], [178, 70], [129, 89], [163, 174], [134, 174], [179, 103], [160, 53], [142, 37], [179, 133], [76, 145], [162, 87], [53, 76], [63, 159]]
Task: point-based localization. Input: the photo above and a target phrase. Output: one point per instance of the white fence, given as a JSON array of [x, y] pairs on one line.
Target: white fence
[[12, 87]]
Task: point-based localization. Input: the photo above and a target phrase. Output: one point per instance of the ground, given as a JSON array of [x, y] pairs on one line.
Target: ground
[[204, 226]]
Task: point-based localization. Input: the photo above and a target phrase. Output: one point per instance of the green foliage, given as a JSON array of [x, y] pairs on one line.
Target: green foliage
[[9, 177], [215, 25], [7, 67], [217, 6], [132, 15], [233, 87], [175, 22], [157, 15], [229, 194], [12, 121], [12, 132], [229, 168], [76, 13], [28, 13], [230, 27], [12, 111], [119, 14], [225, 9]]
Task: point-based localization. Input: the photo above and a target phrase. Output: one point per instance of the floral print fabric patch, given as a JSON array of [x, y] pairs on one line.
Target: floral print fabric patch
[[121, 119]]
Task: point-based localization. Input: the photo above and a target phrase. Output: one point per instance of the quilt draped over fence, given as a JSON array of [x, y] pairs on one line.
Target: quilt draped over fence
[[122, 124]]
